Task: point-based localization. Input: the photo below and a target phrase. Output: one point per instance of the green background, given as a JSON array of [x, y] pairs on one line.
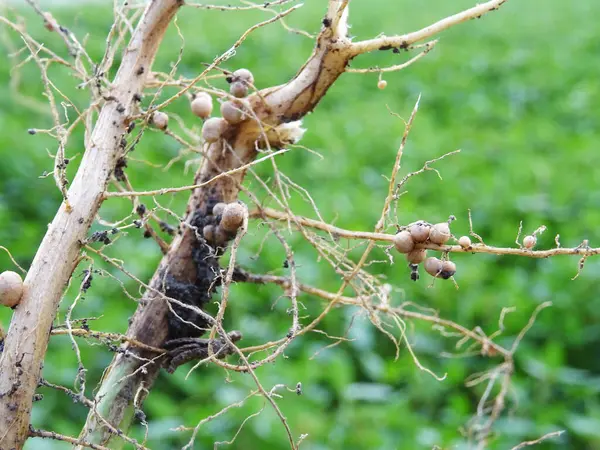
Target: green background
[[517, 91]]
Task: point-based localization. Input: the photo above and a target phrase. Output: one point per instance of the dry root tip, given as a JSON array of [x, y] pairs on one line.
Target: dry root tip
[[440, 233], [416, 256], [11, 288], [464, 241], [414, 272], [420, 231], [382, 84], [233, 217], [529, 241], [160, 120], [213, 129], [404, 242], [232, 112], [202, 105]]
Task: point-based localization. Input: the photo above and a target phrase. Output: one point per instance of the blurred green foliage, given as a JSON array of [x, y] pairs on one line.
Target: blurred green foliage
[[516, 91]]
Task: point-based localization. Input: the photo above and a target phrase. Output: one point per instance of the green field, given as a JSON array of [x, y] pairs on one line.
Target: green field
[[516, 91]]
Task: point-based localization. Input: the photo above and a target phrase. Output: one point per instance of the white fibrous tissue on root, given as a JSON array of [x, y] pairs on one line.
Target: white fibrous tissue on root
[[286, 133]]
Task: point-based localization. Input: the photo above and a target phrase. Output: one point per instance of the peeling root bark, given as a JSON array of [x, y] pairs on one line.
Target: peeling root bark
[[27, 339], [189, 265]]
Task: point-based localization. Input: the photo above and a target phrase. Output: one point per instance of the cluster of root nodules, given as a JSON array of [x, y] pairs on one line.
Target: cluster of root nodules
[[412, 240], [233, 111], [214, 229], [222, 225], [236, 109]]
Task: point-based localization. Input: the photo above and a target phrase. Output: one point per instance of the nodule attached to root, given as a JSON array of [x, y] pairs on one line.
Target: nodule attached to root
[[404, 242], [221, 237], [382, 84], [420, 231], [209, 233], [213, 129], [238, 89], [529, 241], [243, 75], [160, 120], [440, 269], [433, 266], [440, 233], [232, 112], [464, 241], [416, 256], [218, 209], [448, 269], [233, 217], [202, 105], [50, 22], [11, 288]]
